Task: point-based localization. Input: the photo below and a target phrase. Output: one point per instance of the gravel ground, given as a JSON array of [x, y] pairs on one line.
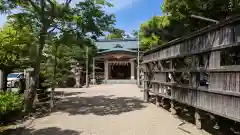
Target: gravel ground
[[108, 110]]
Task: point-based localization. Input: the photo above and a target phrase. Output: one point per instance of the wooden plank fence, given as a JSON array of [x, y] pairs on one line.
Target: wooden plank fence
[[201, 69]]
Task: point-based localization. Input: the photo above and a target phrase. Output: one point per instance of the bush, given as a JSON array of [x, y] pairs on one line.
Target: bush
[[11, 104], [44, 82]]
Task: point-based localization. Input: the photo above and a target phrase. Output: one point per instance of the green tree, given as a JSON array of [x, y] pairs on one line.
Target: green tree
[[56, 63], [47, 16], [116, 34], [161, 29], [181, 11], [14, 49], [153, 32], [135, 33]]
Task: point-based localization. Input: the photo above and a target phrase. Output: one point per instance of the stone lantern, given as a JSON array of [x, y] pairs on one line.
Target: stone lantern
[[77, 72]]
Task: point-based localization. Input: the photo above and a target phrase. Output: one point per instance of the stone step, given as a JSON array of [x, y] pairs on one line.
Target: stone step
[[120, 81]]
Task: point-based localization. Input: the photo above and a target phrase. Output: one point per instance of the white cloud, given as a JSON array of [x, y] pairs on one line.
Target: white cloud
[[120, 5]]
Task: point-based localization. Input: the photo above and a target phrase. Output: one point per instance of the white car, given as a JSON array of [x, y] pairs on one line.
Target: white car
[[13, 79]]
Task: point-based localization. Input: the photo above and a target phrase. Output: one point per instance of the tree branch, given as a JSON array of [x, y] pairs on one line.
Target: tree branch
[[68, 2], [51, 3], [50, 31], [52, 10], [34, 6]]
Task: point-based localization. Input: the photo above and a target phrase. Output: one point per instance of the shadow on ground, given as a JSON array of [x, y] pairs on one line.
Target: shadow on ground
[[44, 131], [98, 105], [59, 94], [62, 93]]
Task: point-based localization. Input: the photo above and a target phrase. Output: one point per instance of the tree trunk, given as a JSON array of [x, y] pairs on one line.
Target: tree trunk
[[36, 72], [55, 66], [1, 79], [54, 75], [35, 81], [5, 74]]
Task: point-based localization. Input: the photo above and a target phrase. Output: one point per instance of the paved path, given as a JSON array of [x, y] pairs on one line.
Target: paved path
[[108, 110]]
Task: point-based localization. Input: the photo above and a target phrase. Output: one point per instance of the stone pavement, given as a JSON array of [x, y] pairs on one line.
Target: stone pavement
[[108, 110]]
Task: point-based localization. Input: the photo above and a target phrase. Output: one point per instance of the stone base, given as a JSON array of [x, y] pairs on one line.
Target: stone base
[[120, 82], [78, 86], [93, 81]]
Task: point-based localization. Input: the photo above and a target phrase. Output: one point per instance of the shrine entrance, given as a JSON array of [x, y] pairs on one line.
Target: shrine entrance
[[120, 71], [117, 64]]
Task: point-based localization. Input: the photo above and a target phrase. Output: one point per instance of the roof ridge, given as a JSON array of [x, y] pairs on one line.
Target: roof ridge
[[115, 40], [118, 49]]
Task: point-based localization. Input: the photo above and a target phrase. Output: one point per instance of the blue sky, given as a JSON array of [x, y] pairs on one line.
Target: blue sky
[[129, 13], [134, 12]]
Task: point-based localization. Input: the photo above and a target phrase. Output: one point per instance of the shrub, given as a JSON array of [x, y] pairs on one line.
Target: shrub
[[44, 81], [10, 102]]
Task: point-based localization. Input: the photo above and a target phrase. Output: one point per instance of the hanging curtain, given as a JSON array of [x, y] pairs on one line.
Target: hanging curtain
[[116, 63]]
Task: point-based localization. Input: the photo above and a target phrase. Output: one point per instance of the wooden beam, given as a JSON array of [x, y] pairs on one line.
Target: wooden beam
[[222, 47]]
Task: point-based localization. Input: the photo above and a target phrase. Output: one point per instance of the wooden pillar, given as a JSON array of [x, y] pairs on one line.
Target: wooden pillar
[[173, 109], [146, 95], [146, 86], [109, 70], [141, 79], [157, 101], [87, 79], [1, 80], [172, 103], [93, 77], [194, 82], [28, 78], [198, 120], [172, 79], [106, 70], [132, 69]]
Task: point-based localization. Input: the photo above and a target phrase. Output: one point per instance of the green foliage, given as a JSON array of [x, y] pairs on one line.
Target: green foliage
[[52, 23], [179, 22], [182, 10], [56, 58], [151, 32], [14, 46], [135, 33], [56, 65], [55, 29], [116, 34], [10, 102], [72, 23]]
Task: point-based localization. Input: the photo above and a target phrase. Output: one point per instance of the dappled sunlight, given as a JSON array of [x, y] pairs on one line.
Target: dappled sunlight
[[43, 131], [99, 105]]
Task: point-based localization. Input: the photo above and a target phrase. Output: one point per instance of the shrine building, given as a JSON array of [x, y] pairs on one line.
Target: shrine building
[[116, 61]]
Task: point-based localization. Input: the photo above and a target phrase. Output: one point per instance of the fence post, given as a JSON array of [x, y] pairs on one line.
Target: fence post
[[1, 80], [28, 76]]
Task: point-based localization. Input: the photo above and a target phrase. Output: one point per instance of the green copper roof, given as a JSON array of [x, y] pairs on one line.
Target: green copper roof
[[118, 48], [110, 44]]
